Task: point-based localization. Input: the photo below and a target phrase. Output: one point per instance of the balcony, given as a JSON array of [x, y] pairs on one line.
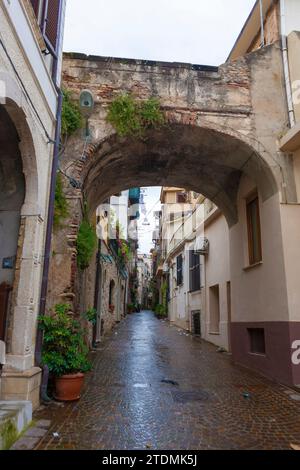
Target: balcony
[[134, 195]]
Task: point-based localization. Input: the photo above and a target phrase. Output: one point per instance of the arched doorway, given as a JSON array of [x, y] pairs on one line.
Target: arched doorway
[[12, 195]]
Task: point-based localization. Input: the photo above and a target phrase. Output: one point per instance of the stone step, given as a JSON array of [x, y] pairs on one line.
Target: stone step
[[15, 416]]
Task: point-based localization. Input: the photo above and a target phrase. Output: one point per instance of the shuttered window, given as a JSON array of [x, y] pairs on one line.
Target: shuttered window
[[195, 271], [51, 20], [179, 265], [48, 12]]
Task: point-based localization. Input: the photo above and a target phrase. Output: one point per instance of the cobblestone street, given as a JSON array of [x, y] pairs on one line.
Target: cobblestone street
[[153, 387]]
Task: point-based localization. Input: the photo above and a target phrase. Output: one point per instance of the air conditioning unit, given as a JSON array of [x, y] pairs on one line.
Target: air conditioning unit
[[201, 245]]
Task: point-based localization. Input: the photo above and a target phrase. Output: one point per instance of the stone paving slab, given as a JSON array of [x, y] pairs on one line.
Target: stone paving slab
[[25, 443], [130, 401]]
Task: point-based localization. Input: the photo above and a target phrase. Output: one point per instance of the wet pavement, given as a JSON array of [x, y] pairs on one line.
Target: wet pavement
[[153, 387]]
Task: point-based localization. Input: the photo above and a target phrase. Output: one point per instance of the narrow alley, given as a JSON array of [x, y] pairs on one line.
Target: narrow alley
[[154, 387]]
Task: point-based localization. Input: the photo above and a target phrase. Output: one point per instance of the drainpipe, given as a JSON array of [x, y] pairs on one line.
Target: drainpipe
[[56, 150], [262, 23], [98, 290], [286, 69], [44, 285]]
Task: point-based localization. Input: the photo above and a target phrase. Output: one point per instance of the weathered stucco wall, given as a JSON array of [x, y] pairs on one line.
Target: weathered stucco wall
[[20, 379]]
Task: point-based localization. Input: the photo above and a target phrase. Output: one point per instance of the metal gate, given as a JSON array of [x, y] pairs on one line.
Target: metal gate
[[196, 323]]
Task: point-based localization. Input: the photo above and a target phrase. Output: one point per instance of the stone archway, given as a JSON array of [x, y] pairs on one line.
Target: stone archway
[[180, 155], [220, 140]]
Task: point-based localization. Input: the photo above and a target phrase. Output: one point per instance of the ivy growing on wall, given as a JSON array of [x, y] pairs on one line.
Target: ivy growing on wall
[[161, 310], [60, 203], [132, 117], [86, 242], [71, 118]]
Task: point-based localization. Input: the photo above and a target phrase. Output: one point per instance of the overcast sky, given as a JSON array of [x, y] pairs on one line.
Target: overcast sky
[[197, 31]]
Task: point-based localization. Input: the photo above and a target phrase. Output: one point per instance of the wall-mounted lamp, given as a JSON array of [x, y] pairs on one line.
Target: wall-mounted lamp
[[86, 104]]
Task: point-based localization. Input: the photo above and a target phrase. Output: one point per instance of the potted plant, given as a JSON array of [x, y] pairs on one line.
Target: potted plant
[[64, 352], [130, 308]]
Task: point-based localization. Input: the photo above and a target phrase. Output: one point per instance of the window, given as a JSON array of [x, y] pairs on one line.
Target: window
[[257, 340], [48, 15], [214, 309], [254, 235], [181, 198], [179, 264], [194, 268]]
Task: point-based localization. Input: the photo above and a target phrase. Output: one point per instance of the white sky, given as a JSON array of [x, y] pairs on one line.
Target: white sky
[[195, 31], [152, 204]]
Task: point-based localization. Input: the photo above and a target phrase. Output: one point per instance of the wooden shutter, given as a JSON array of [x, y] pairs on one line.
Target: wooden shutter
[[179, 270], [195, 271], [52, 22], [191, 265], [35, 5]]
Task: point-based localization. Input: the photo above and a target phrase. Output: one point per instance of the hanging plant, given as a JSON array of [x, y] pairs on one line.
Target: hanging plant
[[61, 209], [132, 117], [86, 242], [71, 118]]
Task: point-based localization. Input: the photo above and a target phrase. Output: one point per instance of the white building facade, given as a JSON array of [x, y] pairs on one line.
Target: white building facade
[[30, 64]]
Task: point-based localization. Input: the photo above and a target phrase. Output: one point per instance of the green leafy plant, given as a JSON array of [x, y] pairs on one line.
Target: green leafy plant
[[90, 315], [64, 350], [160, 311], [130, 308], [71, 118], [131, 117], [86, 242], [61, 208]]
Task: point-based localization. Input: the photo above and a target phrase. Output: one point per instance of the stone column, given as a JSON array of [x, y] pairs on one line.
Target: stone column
[[21, 380]]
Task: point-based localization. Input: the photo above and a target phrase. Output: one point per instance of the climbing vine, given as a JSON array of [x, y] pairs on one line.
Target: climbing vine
[[60, 204], [132, 117], [161, 310], [86, 242], [71, 118]]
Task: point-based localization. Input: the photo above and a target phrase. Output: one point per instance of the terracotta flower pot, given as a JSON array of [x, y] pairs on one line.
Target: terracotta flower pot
[[68, 387]]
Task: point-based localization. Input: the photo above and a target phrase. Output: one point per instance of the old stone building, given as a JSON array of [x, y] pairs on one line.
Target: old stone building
[[30, 65], [222, 140], [143, 278]]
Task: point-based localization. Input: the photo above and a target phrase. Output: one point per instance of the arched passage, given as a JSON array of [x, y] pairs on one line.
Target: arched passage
[[225, 167], [192, 157]]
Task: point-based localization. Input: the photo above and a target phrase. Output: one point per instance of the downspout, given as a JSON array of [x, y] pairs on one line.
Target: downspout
[[44, 285], [47, 250], [287, 79], [98, 289], [262, 23]]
